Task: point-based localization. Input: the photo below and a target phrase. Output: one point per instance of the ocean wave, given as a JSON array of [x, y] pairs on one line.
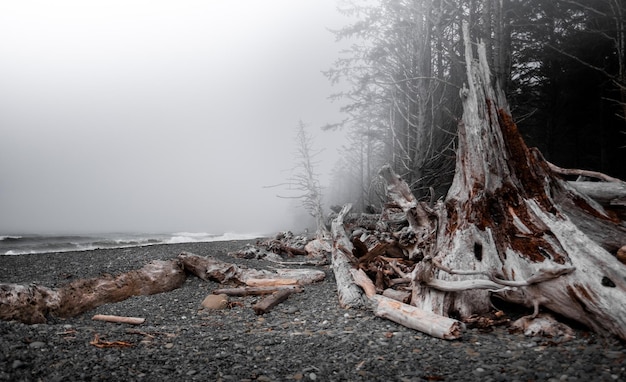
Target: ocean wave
[[201, 237], [34, 244], [9, 237]]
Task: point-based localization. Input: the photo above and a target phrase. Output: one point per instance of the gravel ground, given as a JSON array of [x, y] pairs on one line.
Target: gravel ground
[[306, 338]]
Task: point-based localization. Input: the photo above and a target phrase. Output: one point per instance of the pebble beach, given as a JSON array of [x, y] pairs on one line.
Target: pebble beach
[[308, 337]]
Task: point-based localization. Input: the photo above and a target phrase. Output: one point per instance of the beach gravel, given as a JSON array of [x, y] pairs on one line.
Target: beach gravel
[[306, 338]]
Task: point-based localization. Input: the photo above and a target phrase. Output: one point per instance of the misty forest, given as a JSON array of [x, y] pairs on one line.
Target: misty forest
[[487, 143]]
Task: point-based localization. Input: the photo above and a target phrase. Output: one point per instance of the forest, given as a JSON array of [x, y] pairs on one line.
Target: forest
[[561, 65]]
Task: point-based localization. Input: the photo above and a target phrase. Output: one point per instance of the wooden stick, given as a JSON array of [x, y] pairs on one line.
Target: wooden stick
[[271, 301], [119, 319], [257, 291], [407, 315]]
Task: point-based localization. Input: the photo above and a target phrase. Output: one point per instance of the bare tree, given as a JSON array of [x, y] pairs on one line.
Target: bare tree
[[305, 180]]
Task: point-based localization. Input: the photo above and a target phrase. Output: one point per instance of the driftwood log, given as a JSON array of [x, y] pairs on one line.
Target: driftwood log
[[407, 315], [269, 302], [342, 261], [119, 319], [33, 303], [257, 291], [209, 268]]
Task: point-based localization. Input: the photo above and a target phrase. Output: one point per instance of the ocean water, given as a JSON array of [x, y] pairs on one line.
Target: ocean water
[[31, 244]]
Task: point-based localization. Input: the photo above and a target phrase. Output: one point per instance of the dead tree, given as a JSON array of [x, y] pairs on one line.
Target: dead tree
[[512, 228]]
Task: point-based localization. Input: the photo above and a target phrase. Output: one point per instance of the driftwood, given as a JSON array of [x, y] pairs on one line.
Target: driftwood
[[31, 304], [208, 268], [256, 291], [510, 227], [119, 319], [350, 295], [407, 315], [272, 300]]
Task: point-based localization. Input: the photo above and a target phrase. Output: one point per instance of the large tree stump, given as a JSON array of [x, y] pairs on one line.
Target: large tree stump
[[509, 222]]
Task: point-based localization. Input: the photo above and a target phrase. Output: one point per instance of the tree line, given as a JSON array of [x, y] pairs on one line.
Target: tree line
[[561, 64]]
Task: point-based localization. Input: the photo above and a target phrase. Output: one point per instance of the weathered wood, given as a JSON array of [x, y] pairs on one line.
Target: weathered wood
[[605, 193], [398, 295], [119, 319], [349, 294], [318, 249], [31, 304], [407, 315], [86, 294], [271, 301], [257, 291], [507, 216], [209, 268]]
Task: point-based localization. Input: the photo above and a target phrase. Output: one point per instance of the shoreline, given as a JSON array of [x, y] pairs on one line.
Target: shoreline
[[307, 337]]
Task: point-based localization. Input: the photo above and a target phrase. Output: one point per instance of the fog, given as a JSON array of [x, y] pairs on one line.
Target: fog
[[159, 116]]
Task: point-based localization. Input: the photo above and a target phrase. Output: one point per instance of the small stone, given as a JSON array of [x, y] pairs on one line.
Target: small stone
[[169, 345], [621, 255], [215, 301], [312, 376], [17, 364], [36, 345]]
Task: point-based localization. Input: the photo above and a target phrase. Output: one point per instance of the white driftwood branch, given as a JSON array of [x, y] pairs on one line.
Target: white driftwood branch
[[407, 315], [119, 319], [350, 295], [209, 268]]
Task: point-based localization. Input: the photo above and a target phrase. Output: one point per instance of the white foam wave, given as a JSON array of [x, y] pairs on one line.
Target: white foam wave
[[9, 237], [201, 237]]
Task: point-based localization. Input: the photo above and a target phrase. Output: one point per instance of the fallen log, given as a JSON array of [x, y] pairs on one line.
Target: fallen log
[[256, 291], [84, 295], [349, 294], [271, 301], [407, 315], [119, 319], [605, 193], [209, 268], [31, 304]]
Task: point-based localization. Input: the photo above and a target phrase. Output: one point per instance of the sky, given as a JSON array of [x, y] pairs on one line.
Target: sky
[[160, 116]]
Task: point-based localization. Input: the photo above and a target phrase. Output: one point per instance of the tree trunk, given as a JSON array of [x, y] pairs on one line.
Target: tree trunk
[[350, 295], [509, 223], [31, 304]]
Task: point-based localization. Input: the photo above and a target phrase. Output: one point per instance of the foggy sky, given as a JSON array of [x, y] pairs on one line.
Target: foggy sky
[[158, 116]]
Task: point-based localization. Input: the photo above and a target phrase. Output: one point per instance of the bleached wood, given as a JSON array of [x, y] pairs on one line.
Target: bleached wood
[[256, 291], [119, 319], [605, 193], [209, 268], [31, 304], [271, 301], [508, 220], [407, 315], [349, 294]]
